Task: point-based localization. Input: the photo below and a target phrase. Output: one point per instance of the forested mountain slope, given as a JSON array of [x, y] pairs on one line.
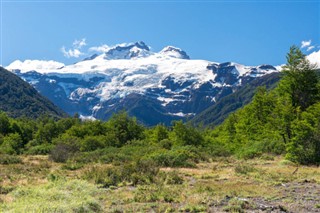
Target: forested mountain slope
[[216, 113], [18, 98]]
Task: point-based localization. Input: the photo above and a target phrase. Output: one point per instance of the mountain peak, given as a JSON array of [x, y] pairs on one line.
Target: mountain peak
[[128, 51], [174, 52], [142, 45]]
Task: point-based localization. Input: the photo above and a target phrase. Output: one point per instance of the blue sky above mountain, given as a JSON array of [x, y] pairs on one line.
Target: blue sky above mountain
[[248, 32]]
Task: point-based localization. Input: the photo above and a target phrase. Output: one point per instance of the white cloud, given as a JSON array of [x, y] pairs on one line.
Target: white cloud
[[38, 65], [310, 48], [74, 52], [314, 58], [305, 44], [103, 48], [78, 44], [71, 53]]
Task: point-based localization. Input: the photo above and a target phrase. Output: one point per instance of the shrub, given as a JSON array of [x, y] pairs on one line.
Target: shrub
[[62, 152], [249, 153], [186, 135], [9, 159], [254, 149], [42, 149], [72, 166], [244, 169], [140, 172], [153, 193], [173, 178], [166, 144], [177, 157], [12, 144], [237, 205], [216, 150], [91, 143]]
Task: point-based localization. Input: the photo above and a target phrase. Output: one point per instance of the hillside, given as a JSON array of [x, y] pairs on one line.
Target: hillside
[[18, 98], [219, 111]]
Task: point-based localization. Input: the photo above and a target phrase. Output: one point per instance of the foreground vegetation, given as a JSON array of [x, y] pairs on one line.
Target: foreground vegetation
[[269, 183], [69, 165]]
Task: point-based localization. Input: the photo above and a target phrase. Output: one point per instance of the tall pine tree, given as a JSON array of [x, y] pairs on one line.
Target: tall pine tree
[[300, 80]]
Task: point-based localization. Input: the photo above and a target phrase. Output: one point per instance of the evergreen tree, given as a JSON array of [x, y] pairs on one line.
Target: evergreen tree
[[300, 81]]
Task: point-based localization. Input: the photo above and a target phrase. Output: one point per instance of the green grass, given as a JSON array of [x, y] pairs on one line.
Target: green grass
[[39, 185], [56, 196]]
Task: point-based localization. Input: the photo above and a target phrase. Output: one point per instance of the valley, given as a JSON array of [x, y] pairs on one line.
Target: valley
[[261, 155]]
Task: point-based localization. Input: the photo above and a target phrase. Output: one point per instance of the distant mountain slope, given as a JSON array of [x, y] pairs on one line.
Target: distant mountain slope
[[153, 86], [18, 98], [216, 114]]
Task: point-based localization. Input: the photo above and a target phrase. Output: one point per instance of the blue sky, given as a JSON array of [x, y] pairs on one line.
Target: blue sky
[[247, 32]]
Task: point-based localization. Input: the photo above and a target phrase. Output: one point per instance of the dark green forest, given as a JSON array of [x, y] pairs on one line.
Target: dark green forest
[[18, 98], [281, 121]]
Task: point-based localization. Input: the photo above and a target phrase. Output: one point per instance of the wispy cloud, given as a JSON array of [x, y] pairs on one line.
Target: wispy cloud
[[71, 53], [74, 52], [78, 44], [310, 48], [305, 44], [103, 48]]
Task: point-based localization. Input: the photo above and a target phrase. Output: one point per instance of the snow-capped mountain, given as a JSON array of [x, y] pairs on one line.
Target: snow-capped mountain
[[153, 86]]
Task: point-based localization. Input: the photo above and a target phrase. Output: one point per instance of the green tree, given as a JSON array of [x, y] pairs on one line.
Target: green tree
[[47, 132], [159, 133], [91, 143], [4, 123], [184, 135], [305, 145], [125, 128], [87, 128], [12, 144], [300, 80]]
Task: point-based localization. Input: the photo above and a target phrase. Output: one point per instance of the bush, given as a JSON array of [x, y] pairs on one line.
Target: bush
[[9, 159], [186, 156], [237, 205], [244, 169], [72, 166], [166, 144], [42, 149], [12, 144], [186, 135], [254, 149], [215, 149], [140, 172], [62, 152], [91, 143], [249, 153], [153, 193], [173, 178]]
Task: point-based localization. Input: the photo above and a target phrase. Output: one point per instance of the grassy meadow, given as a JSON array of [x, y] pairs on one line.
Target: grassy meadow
[[271, 184]]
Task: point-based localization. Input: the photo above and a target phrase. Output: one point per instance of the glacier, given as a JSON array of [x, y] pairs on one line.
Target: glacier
[[156, 87]]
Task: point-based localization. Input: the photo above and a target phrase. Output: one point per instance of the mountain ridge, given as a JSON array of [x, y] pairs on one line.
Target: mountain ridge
[[175, 86], [19, 99]]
